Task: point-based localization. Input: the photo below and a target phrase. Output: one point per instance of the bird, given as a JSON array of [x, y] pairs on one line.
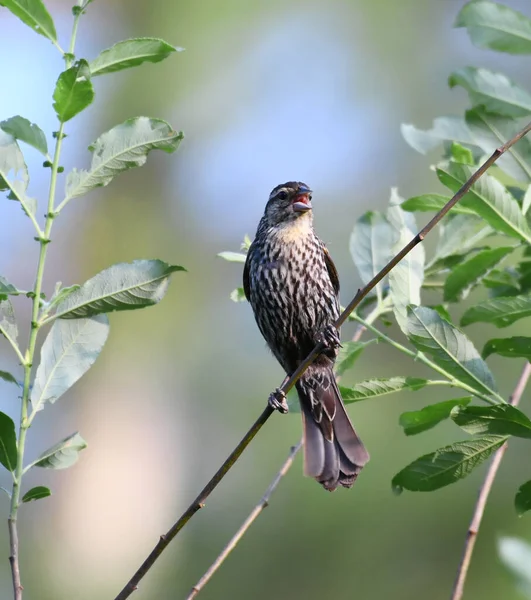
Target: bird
[[292, 285]]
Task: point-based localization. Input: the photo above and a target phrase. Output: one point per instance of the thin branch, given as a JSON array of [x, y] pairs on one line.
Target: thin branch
[[165, 539], [13, 559], [264, 502], [484, 491]]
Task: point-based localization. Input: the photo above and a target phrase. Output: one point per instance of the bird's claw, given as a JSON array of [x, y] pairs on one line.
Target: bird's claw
[[330, 339], [277, 401]]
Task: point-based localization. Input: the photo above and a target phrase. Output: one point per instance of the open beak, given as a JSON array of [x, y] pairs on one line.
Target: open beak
[[302, 202]]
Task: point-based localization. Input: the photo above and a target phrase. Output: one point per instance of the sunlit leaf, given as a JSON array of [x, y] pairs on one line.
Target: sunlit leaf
[[515, 554], [433, 203], [125, 286], [417, 421], [8, 322], [380, 387], [25, 131], [496, 26], [34, 14], [68, 352], [498, 311], [450, 349], [36, 493], [445, 129], [238, 295], [122, 148], [446, 465], [73, 91], [233, 256], [14, 172], [462, 155], [63, 454], [131, 53], [502, 419]]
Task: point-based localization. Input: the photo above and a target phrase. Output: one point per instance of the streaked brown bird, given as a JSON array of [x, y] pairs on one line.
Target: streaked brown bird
[[293, 287]]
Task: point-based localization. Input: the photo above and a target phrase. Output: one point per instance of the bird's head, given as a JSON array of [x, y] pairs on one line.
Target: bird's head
[[289, 203]]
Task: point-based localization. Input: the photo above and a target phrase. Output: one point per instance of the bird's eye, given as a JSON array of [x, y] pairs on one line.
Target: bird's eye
[[282, 195]]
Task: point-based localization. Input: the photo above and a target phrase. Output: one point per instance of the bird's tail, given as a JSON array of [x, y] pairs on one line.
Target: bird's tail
[[333, 453]]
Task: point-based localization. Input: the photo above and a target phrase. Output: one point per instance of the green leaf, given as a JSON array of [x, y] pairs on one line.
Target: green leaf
[[494, 91], [446, 465], [233, 256], [125, 286], [498, 420], [8, 322], [36, 493], [491, 131], [238, 295], [461, 154], [69, 350], [459, 232], [131, 53], [469, 273], [21, 129], [8, 443], [513, 347], [34, 14], [502, 283], [8, 377], [426, 418], [73, 91], [433, 203], [502, 312], [122, 148], [14, 172], [349, 354], [445, 129], [63, 454], [405, 280], [522, 500], [526, 202], [496, 26], [61, 295], [370, 246], [489, 199], [7, 289], [380, 387], [450, 349], [515, 554]]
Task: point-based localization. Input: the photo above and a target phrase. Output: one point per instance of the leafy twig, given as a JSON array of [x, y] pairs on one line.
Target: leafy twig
[[484, 491], [165, 539]]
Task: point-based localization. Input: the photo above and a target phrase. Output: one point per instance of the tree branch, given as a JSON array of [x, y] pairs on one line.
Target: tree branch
[[164, 541], [484, 491]]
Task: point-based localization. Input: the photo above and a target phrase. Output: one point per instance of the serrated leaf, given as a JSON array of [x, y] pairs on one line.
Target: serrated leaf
[[471, 272], [233, 256], [380, 387], [125, 286], [73, 91], [498, 420], [63, 454], [446, 465], [131, 53], [370, 246], [36, 493], [349, 354], [122, 148], [405, 280], [515, 554], [502, 312], [491, 131], [25, 131], [9, 378], [494, 91], [68, 352], [238, 295], [8, 322], [34, 14], [433, 203], [513, 347], [445, 129], [417, 421], [450, 349], [522, 500], [8, 443], [495, 26], [489, 199]]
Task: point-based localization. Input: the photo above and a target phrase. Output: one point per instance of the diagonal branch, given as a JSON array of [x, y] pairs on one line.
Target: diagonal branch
[[484, 491], [165, 539]]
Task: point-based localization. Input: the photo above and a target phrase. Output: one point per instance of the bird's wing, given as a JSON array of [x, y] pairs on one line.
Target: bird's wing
[[331, 268], [246, 282]]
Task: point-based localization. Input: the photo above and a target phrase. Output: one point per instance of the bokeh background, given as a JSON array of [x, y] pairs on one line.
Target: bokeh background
[[266, 91]]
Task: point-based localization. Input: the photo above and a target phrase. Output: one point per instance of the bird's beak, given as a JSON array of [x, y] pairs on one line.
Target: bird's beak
[[302, 202]]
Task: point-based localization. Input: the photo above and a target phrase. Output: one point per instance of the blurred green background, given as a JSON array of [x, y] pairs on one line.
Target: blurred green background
[[267, 91]]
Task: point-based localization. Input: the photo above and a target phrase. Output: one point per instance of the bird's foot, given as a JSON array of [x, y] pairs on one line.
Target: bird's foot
[[330, 339], [277, 401]]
